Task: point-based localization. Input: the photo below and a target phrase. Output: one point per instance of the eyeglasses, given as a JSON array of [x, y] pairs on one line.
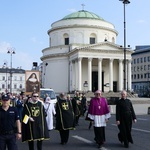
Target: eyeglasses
[[35, 96]]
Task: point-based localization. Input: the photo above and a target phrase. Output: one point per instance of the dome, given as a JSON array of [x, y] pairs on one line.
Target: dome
[[82, 14]]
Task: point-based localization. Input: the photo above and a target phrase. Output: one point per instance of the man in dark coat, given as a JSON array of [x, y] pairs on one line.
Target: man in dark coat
[[124, 116], [76, 102], [65, 119], [34, 126]]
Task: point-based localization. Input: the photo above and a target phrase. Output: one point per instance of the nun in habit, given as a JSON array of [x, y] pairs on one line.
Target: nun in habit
[[50, 111]]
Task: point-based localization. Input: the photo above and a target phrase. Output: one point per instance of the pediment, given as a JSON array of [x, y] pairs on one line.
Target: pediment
[[102, 46]]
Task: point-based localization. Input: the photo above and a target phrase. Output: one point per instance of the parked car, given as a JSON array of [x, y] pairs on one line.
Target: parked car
[[44, 92]]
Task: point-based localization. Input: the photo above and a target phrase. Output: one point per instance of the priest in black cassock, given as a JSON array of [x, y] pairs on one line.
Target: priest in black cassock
[[124, 116], [65, 118], [34, 126]]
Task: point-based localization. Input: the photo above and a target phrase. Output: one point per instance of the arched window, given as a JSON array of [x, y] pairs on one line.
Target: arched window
[[92, 38], [66, 39]]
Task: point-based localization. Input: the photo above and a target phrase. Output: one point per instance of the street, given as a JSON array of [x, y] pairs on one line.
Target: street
[[82, 138]]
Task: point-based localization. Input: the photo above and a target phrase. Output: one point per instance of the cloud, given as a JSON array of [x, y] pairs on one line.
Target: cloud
[[141, 21], [33, 39], [72, 10], [23, 60], [19, 59]]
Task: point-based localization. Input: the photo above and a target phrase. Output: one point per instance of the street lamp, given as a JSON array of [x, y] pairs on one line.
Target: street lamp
[[11, 51], [5, 66], [125, 2]]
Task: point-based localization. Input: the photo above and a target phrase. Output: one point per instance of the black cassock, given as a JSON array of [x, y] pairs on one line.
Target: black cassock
[[65, 118], [125, 114], [36, 130]]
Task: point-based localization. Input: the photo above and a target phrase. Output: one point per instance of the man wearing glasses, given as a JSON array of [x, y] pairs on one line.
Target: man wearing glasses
[[34, 126]]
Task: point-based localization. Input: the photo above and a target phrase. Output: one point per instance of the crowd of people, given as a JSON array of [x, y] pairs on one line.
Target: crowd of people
[[31, 119]]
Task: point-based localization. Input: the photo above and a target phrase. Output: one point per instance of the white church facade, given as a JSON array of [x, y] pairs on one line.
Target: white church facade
[[83, 55]]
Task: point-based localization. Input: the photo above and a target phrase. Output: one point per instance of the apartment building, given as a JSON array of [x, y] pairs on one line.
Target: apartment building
[[18, 80], [141, 70]]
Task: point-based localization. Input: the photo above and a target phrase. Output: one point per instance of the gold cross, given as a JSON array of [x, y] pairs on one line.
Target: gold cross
[[65, 106]]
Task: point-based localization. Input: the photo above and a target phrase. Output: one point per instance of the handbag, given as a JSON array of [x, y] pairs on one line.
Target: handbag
[[46, 110]]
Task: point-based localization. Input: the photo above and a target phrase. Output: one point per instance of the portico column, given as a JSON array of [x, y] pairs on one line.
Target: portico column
[[129, 75], [76, 75], [89, 74], [111, 74], [79, 73], [73, 75], [120, 75], [100, 73]]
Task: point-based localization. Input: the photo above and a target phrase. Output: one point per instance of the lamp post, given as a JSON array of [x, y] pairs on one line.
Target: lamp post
[[44, 78], [11, 51], [5, 66], [125, 2]]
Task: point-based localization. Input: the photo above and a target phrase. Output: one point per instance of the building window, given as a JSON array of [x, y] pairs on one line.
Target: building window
[[15, 86], [92, 40], [134, 86], [138, 60], [145, 75], [134, 76], [3, 77], [148, 58], [148, 67], [144, 67], [141, 76], [138, 76], [66, 41], [3, 86], [20, 86], [8, 86], [141, 60], [144, 59], [134, 61]]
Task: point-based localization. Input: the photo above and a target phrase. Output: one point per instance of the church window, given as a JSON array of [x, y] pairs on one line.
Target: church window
[[66, 39], [92, 38]]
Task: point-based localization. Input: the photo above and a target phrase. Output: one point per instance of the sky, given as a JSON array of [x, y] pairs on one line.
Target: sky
[[24, 25]]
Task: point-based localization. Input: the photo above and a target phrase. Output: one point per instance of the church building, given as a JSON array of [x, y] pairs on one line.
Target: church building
[[83, 55]]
